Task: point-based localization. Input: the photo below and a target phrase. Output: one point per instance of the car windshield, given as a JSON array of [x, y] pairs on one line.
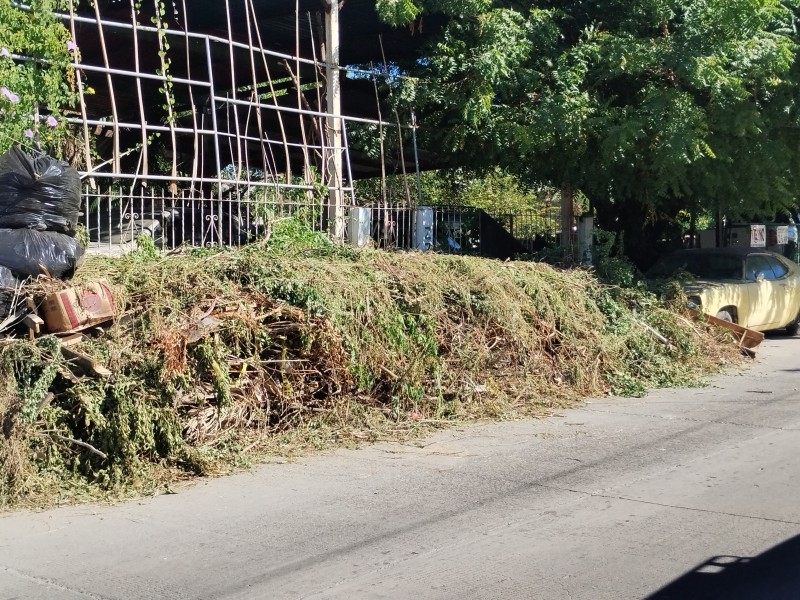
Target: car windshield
[[702, 266]]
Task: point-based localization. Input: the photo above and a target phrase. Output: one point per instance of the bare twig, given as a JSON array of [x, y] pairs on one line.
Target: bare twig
[[88, 447]]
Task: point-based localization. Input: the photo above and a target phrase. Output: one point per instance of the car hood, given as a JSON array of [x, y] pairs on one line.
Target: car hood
[[714, 294], [699, 285]]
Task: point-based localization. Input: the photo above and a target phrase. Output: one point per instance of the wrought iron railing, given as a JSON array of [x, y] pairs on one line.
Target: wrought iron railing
[[115, 217]]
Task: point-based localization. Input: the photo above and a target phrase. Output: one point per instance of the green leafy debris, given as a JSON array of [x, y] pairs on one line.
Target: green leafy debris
[[297, 344]]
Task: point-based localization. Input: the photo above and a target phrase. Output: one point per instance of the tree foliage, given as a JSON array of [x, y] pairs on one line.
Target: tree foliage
[[494, 190], [658, 104]]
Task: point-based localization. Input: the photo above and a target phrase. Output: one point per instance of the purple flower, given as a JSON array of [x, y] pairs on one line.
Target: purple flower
[[5, 52], [9, 95], [52, 121], [29, 133], [71, 46]]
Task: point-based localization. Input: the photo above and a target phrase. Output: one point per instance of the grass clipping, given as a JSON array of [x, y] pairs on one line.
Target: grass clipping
[[225, 356]]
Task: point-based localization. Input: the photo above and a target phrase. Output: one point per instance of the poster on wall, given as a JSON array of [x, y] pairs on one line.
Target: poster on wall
[[782, 232], [758, 236]]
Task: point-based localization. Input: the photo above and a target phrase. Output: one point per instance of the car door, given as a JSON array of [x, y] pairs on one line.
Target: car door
[[784, 308], [759, 282]]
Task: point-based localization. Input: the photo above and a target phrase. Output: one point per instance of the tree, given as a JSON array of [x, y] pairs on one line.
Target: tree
[[648, 106]]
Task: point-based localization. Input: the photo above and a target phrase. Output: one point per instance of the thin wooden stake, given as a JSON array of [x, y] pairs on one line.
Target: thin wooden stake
[[235, 108], [274, 97], [399, 132], [195, 160], [300, 98], [384, 194], [318, 120], [302, 102], [114, 115], [142, 117], [87, 146], [257, 96]]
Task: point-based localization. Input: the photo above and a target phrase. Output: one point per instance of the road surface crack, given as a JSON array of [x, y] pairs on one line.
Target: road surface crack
[[703, 510], [666, 505], [691, 420], [46, 582]]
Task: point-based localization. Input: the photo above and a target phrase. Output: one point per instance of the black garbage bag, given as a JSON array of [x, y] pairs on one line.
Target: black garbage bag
[[38, 192], [30, 253]]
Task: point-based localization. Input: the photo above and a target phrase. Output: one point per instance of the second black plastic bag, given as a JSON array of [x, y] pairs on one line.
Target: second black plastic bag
[[30, 253], [38, 192]]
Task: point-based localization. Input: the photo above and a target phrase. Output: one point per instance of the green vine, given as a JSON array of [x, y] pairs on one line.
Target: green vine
[[167, 87], [37, 83]]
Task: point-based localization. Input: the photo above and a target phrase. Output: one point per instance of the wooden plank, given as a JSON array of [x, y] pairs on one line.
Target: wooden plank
[[746, 337], [85, 363], [71, 340], [33, 323]]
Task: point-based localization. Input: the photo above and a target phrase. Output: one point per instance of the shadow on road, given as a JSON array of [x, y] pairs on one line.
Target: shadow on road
[[773, 574]]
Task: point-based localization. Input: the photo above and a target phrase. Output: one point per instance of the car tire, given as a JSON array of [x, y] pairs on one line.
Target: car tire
[[793, 327], [725, 315]]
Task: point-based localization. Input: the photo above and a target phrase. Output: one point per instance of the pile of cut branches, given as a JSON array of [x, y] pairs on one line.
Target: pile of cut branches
[[224, 356]]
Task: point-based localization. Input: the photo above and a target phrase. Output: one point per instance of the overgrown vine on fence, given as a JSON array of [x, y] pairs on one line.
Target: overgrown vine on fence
[[164, 71], [36, 78]]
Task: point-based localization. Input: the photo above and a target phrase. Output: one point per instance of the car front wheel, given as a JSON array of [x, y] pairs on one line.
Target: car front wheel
[[725, 315], [793, 327]]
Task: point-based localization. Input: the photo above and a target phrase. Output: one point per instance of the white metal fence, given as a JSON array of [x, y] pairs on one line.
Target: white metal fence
[[114, 217]]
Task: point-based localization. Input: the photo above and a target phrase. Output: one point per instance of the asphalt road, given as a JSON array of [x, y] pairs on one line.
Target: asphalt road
[[689, 493]]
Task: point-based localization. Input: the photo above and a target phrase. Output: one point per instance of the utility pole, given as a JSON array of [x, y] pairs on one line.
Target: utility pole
[[336, 216]]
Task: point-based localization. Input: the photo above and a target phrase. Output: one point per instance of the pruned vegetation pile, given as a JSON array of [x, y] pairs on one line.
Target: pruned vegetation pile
[[293, 344]]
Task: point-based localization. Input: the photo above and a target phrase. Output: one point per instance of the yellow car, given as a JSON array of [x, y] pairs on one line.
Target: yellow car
[[752, 287]]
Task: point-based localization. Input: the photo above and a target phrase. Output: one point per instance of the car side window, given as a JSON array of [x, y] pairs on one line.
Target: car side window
[[778, 267], [758, 264]]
